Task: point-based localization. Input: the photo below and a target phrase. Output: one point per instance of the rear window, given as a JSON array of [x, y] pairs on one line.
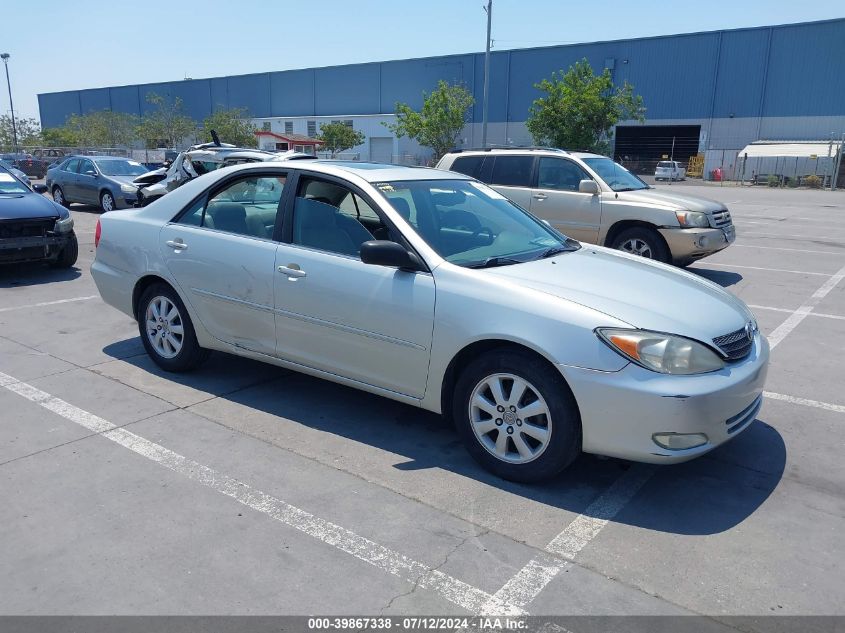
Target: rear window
[[665, 163], [469, 165], [512, 171]]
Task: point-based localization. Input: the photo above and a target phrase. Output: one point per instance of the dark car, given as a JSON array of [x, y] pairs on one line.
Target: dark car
[[105, 181], [32, 227], [32, 166]]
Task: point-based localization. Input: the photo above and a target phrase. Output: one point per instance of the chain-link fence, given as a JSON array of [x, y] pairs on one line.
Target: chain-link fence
[[35, 160]]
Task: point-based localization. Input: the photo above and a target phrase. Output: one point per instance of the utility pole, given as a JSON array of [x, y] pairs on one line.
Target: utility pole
[[489, 10], [5, 57]]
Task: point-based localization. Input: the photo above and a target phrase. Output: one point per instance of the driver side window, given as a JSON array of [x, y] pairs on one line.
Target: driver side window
[[560, 174]]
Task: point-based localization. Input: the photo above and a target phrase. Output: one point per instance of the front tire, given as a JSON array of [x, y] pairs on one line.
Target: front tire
[[642, 241], [167, 331], [107, 202], [516, 416], [68, 255]]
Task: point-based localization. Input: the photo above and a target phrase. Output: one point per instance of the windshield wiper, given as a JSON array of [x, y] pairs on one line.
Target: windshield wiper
[[491, 262], [555, 250]]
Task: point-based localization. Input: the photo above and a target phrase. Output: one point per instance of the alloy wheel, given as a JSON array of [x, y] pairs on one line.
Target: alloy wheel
[[108, 202], [510, 418], [637, 246], [165, 329]]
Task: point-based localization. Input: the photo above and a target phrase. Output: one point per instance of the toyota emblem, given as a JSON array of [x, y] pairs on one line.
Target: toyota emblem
[[749, 330]]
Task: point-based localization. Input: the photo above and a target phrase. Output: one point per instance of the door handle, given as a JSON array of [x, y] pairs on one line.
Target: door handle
[[539, 196], [179, 245], [292, 272]]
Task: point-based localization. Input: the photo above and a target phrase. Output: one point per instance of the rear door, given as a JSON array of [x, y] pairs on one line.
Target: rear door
[[67, 180], [512, 176], [556, 199], [222, 254]]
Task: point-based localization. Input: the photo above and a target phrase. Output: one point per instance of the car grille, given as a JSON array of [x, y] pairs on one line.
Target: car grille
[[744, 417], [721, 219], [735, 345], [25, 228]]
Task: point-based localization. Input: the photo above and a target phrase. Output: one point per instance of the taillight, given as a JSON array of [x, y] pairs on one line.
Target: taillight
[[97, 232]]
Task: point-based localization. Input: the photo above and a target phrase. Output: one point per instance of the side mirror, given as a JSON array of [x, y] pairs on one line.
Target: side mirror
[[588, 186], [387, 253], [39, 188]]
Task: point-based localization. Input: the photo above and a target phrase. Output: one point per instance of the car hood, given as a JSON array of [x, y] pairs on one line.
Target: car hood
[[122, 179], [674, 200], [24, 206], [642, 293]]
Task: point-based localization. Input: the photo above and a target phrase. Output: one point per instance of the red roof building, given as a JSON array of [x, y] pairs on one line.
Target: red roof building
[[283, 142]]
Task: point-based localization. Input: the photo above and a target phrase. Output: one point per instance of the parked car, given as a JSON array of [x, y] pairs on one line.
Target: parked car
[[670, 170], [32, 227], [199, 160], [435, 290], [17, 173], [101, 180], [592, 199], [30, 165], [49, 155]]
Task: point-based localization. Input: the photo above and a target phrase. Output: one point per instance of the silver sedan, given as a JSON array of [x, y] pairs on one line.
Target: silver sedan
[[432, 289]]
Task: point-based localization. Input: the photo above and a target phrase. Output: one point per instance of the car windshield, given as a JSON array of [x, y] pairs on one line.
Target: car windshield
[[469, 224], [11, 185], [615, 175], [114, 167]]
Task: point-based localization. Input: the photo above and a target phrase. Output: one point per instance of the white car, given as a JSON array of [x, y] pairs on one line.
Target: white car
[[670, 170], [431, 288]]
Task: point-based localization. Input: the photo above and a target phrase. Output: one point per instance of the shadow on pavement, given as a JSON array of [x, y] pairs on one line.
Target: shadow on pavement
[[34, 273], [706, 496], [724, 278]]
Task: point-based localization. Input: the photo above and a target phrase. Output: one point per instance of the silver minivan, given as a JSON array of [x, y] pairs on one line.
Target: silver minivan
[[593, 199]]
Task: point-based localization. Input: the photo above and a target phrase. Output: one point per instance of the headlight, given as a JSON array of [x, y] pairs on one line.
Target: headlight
[[63, 225], [128, 188], [664, 353], [692, 219]]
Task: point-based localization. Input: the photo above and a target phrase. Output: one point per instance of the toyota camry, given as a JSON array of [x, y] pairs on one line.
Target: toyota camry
[[430, 288]]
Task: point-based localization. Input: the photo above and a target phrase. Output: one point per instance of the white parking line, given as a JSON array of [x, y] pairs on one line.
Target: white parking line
[[812, 314], [414, 572], [795, 250], [774, 270], [529, 581], [792, 321], [788, 236], [838, 408], [48, 303]]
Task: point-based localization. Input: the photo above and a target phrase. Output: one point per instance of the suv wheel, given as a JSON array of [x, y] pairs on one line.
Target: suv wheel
[[516, 417], [642, 241]]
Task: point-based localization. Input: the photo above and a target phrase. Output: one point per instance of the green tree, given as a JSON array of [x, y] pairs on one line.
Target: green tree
[[337, 137], [62, 136], [232, 126], [102, 128], [444, 114], [29, 132], [580, 108], [165, 124]]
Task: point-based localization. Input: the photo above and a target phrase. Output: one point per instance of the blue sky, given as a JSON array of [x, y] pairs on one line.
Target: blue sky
[[92, 43]]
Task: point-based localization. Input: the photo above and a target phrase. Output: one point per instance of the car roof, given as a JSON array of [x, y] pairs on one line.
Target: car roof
[[542, 151], [382, 172]]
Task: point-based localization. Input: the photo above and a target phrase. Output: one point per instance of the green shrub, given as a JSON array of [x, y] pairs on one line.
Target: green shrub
[[792, 183], [813, 182], [773, 181]]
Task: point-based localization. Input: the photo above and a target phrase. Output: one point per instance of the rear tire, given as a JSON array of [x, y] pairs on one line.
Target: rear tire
[[539, 431], [68, 255], [167, 331], [642, 241], [59, 197]]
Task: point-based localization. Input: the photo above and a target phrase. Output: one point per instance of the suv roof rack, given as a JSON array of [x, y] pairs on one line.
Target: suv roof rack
[[458, 150]]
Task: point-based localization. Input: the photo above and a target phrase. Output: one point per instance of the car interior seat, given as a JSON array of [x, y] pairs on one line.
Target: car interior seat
[[316, 224]]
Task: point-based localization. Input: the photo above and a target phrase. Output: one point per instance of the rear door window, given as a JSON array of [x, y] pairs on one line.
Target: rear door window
[[72, 165], [512, 171], [469, 165]]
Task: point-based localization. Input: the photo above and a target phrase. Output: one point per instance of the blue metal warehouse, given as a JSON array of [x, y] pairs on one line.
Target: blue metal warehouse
[[712, 92]]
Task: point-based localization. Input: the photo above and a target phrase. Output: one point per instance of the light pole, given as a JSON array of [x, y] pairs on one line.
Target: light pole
[[5, 57], [489, 10]]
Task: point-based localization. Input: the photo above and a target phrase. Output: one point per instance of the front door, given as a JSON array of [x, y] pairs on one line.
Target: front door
[[222, 255], [369, 323], [556, 199]]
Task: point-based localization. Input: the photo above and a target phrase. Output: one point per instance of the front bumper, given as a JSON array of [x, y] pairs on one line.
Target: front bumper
[[687, 245], [621, 411], [28, 249], [125, 200]]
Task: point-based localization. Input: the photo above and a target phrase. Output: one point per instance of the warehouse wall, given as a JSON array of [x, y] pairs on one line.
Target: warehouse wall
[[740, 85]]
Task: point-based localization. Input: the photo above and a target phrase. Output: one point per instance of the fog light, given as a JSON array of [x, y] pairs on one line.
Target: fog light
[[679, 441], [703, 241]]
